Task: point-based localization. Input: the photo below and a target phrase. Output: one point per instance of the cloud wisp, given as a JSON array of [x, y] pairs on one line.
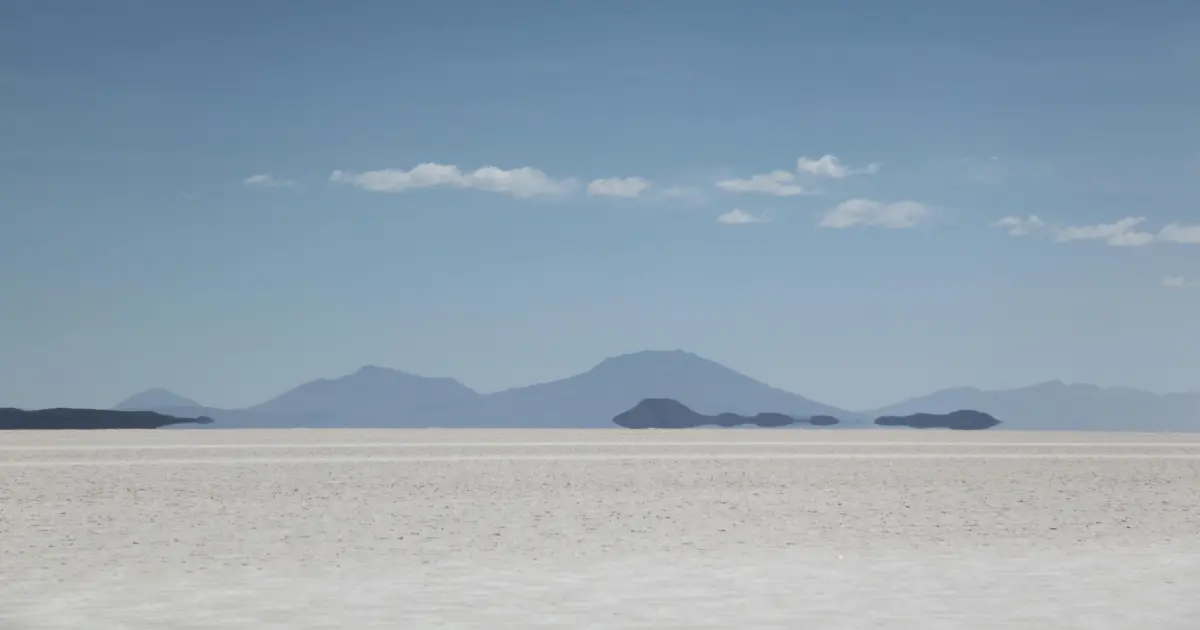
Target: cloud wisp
[[829, 166], [1017, 226], [1116, 234], [737, 216], [778, 183], [626, 187], [989, 171], [1126, 232], [521, 183], [1179, 282], [1176, 233], [782, 183], [266, 180], [897, 215]]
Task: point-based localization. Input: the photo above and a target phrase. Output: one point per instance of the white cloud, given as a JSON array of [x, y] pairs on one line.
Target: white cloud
[[1016, 226], [1122, 233], [1176, 233], [266, 180], [829, 166], [869, 213], [738, 216], [783, 183], [1131, 239], [521, 183], [518, 182], [1179, 282], [629, 187], [778, 183], [1118, 234]]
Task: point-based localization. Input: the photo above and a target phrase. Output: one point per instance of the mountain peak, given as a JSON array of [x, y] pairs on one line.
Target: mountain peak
[[1051, 384], [376, 371], [372, 368], [154, 399], [652, 358]]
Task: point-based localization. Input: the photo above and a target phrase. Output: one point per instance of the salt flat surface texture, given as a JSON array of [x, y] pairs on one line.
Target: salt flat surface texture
[[735, 529]]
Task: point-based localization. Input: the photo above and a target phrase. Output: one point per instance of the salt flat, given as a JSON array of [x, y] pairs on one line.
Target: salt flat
[[598, 529]]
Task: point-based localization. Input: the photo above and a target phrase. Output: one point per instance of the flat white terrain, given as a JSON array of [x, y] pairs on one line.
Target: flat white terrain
[[738, 529]]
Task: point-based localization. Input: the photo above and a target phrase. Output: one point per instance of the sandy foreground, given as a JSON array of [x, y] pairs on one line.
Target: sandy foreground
[[414, 529]]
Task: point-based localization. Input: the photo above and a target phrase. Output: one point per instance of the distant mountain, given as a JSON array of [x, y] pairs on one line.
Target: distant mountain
[[1055, 405], [370, 397], [593, 398], [664, 413], [154, 400], [369, 391]]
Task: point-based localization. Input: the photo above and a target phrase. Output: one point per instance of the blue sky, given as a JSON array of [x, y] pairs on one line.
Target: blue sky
[[227, 199]]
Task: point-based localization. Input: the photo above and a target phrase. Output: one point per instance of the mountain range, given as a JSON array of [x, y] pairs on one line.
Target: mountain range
[[382, 397]]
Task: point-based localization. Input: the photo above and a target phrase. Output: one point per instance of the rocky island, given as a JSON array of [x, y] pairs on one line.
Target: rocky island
[[665, 413], [87, 419], [963, 420]]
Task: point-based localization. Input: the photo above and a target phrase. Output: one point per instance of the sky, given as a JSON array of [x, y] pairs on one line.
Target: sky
[[858, 201]]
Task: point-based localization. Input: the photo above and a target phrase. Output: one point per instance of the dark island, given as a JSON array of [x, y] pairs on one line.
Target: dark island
[[962, 420], [665, 413], [87, 419]]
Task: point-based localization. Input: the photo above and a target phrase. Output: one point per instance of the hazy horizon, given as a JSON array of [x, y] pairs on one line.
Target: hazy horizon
[[267, 396]]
